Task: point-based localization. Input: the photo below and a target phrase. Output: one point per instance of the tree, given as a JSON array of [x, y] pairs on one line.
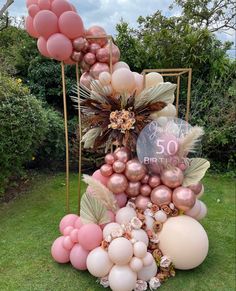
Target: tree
[[4, 19]]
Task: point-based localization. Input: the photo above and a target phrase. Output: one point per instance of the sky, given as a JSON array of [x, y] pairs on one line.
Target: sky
[[107, 13]]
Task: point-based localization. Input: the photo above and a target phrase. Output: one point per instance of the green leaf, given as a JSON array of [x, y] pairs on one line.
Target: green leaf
[[195, 172]]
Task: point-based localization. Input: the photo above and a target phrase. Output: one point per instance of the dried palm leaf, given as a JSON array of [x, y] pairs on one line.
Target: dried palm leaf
[[89, 138]]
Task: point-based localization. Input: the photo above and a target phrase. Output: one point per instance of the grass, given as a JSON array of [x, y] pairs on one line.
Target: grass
[[29, 224]]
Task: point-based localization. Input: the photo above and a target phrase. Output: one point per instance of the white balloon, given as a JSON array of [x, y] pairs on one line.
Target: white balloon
[[148, 272], [140, 235], [120, 65], [120, 251], [168, 111], [153, 79], [105, 78], [99, 263], [122, 278], [160, 216], [136, 264], [109, 228], [148, 259], [125, 214], [149, 221], [140, 249], [195, 211], [185, 241], [203, 211]]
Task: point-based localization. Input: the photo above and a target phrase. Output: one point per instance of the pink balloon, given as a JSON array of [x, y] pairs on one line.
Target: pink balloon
[[60, 6], [44, 4], [59, 253], [99, 177], [67, 243], [30, 2], [90, 58], [90, 236], [94, 47], [86, 80], [67, 230], [74, 235], [77, 56], [103, 55], [97, 31], [33, 10], [69, 62], [30, 27], [59, 47], [78, 257], [78, 223], [42, 47], [84, 66], [121, 199], [46, 23], [98, 68], [112, 216], [71, 25], [138, 83], [67, 220], [115, 52]]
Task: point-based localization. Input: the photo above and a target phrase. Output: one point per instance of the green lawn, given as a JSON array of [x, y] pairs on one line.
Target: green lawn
[[29, 224]]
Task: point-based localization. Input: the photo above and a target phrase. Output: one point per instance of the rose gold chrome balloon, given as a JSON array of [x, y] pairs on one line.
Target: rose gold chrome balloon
[[85, 67], [135, 171], [106, 170], [145, 190], [86, 47], [115, 53], [97, 31], [183, 198], [117, 183], [161, 195], [98, 68], [122, 154], [77, 56], [172, 177], [79, 44], [90, 59], [142, 202], [197, 188], [118, 167], [109, 159], [102, 55], [133, 189], [145, 179], [154, 181]]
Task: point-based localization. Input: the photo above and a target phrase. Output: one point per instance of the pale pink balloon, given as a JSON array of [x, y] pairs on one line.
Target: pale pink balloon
[[78, 223], [145, 190], [121, 199], [33, 10], [77, 56], [120, 65], [97, 31], [123, 81], [90, 59], [58, 252], [67, 230], [60, 6], [86, 80], [90, 236], [67, 243], [94, 47], [59, 47], [138, 83], [105, 78], [71, 25], [74, 235], [154, 181], [30, 27], [118, 167], [78, 257], [42, 47], [79, 43], [98, 68], [111, 216], [31, 2], [46, 23], [141, 202], [67, 220], [44, 4], [99, 177]]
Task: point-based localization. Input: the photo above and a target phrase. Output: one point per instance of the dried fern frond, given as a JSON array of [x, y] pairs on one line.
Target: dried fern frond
[[101, 192], [89, 138], [188, 143]]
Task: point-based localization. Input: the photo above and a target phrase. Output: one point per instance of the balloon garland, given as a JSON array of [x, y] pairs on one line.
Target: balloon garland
[[139, 214]]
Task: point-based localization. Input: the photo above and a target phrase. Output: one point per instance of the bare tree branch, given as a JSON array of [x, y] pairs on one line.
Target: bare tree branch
[[5, 7]]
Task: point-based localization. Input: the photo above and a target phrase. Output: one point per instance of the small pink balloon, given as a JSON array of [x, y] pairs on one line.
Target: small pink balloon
[[68, 220], [182, 166], [97, 31], [59, 47], [66, 231], [145, 190], [86, 47], [90, 236], [99, 177], [30, 27], [42, 47], [141, 202], [44, 4], [90, 59], [31, 2], [121, 199], [114, 51], [67, 243], [74, 235], [183, 198], [59, 253], [139, 86], [71, 25], [133, 189], [122, 154], [145, 179], [123, 81], [106, 170], [98, 68], [78, 257], [111, 215], [77, 56], [85, 67], [33, 10], [172, 177], [86, 80], [79, 43], [102, 55], [118, 167], [154, 181], [78, 223], [161, 195], [109, 159], [60, 6], [46, 23], [135, 171], [94, 47]]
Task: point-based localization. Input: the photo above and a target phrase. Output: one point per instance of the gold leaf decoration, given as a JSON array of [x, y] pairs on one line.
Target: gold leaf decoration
[[195, 172]]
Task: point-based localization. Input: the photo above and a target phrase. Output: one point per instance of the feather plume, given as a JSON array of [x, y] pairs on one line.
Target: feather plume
[[90, 137], [188, 143], [101, 192]]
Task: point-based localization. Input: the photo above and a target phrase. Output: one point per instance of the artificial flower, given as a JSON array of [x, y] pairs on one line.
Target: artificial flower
[[141, 285], [165, 262], [154, 283], [148, 212], [136, 223], [104, 282]]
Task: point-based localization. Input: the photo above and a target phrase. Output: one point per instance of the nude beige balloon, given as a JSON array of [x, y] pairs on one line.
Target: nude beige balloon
[[122, 278]]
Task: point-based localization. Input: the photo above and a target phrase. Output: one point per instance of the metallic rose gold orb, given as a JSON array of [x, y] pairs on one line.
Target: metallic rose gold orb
[[197, 188], [155, 168], [145, 179], [133, 189], [145, 190], [106, 170], [154, 181], [117, 183], [90, 59], [118, 167], [141, 202], [172, 177], [161, 195], [79, 43], [122, 154], [94, 47], [77, 56], [109, 159], [183, 198], [135, 171]]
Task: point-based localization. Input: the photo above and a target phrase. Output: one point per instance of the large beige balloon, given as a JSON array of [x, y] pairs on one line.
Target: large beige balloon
[[168, 111], [122, 278], [99, 263], [185, 241], [153, 79], [140, 235], [148, 272], [125, 214], [120, 251]]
